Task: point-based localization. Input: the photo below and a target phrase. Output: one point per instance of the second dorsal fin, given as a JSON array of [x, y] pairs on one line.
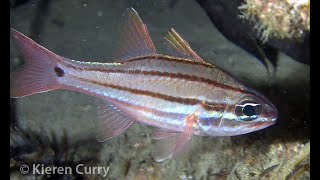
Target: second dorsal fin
[[134, 37], [180, 47]]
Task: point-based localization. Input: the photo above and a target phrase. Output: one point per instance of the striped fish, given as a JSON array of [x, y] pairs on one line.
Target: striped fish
[[180, 94]]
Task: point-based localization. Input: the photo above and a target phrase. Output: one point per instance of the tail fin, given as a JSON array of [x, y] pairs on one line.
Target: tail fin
[[38, 73]]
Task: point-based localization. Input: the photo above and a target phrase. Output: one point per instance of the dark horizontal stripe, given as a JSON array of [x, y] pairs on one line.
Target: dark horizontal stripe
[[185, 101], [171, 59], [162, 74], [176, 76], [159, 57]]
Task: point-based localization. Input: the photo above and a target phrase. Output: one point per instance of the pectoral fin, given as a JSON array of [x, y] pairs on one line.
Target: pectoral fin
[[172, 144], [163, 134]]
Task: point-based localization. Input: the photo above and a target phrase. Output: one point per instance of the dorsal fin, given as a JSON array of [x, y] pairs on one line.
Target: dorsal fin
[[134, 37], [180, 47]]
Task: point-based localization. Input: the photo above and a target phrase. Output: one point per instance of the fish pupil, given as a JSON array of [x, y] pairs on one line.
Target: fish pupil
[[248, 110], [59, 72]]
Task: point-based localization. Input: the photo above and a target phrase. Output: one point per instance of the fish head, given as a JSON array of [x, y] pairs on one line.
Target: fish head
[[245, 113]]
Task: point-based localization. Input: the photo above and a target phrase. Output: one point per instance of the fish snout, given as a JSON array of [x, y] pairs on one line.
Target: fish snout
[[271, 113]]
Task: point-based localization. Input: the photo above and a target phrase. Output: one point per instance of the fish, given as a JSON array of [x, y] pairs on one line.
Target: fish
[[178, 93]]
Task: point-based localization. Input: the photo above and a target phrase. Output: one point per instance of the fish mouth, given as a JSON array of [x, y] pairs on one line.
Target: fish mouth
[[261, 125]]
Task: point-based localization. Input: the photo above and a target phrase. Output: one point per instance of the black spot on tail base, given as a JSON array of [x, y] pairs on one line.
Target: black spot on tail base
[[59, 71]]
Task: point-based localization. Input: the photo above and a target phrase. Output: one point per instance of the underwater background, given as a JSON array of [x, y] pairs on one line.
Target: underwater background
[[57, 128]]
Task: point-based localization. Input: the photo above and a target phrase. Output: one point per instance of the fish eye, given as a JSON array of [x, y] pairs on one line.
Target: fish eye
[[248, 110]]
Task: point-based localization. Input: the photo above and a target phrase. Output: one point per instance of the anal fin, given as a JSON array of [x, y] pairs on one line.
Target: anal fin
[[111, 121], [173, 144]]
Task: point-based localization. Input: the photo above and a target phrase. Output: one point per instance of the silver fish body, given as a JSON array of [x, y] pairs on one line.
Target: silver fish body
[[160, 90], [181, 93]]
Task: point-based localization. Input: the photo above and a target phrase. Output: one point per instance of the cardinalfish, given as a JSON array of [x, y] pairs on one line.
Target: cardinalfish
[[180, 94]]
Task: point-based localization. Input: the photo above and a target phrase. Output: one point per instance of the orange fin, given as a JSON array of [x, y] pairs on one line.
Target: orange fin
[[173, 144], [111, 122], [180, 47], [134, 38]]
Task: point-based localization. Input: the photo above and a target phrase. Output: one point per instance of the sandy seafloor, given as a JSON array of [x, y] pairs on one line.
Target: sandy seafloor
[[87, 30]]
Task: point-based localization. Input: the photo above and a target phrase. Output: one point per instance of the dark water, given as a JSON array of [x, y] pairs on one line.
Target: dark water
[[56, 128]]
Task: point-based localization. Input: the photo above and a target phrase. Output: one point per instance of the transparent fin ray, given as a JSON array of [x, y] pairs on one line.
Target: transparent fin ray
[[163, 134], [134, 38], [179, 47], [171, 144], [111, 122]]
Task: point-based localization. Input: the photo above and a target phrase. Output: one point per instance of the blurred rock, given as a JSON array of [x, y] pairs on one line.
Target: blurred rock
[[225, 15]]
